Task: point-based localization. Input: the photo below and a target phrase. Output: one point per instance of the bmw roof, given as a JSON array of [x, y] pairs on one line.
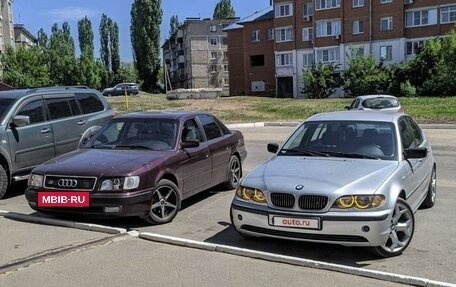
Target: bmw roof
[[368, 116]]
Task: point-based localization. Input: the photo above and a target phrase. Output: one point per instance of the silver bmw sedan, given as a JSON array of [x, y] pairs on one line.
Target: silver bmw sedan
[[350, 178]]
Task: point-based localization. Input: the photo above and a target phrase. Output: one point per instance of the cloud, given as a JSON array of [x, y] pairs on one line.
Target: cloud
[[71, 13]]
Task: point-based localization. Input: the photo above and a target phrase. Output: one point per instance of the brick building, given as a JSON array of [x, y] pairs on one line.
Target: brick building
[[309, 31]]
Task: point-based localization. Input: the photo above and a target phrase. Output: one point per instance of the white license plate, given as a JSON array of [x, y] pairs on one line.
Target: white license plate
[[295, 222]]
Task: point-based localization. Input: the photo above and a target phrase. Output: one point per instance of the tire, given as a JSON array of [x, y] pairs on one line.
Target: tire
[[165, 203], [429, 201], [402, 228], [3, 181], [234, 173]]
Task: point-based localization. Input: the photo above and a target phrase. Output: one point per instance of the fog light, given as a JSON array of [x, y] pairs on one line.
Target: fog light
[[365, 228], [239, 217], [112, 209]]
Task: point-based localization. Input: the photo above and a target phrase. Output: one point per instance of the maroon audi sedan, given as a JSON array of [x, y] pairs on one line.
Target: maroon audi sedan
[[140, 164]]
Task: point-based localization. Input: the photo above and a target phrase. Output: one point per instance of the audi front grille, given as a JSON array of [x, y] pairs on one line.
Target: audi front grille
[[70, 183], [312, 202], [285, 200]]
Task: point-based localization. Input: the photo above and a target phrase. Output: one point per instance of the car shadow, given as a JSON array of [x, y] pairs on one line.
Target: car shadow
[[329, 253], [16, 189]]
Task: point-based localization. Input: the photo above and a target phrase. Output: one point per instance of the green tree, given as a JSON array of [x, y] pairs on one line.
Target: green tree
[[114, 47], [126, 74], [86, 37], [105, 53], [174, 25], [42, 38], [223, 10], [62, 59], [146, 16], [320, 80], [364, 77], [25, 67]]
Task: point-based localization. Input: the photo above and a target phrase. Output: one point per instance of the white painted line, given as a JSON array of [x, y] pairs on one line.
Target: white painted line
[[385, 276], [3, 212]]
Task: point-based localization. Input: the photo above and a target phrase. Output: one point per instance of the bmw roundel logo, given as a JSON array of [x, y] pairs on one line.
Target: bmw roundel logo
[[299, 187]]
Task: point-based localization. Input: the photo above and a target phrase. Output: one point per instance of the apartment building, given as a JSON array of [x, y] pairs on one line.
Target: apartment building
[[312, 31], [6, 24], [23, 37], [196, 55], [251, 54]]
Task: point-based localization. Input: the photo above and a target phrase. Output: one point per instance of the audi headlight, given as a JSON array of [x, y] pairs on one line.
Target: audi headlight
[[35, 180], [120, 183], [247, 193], [359, 201]]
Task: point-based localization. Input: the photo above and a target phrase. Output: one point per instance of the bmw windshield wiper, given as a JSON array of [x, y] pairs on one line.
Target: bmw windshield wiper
[[133, 146], [351, 155], [305, 152]]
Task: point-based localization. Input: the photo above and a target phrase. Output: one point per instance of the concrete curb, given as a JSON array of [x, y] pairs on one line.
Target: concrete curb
[[62, 223], [385, 276]]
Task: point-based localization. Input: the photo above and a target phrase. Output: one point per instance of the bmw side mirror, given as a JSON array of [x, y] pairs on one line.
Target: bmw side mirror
[[419, 152], [273, 147], [347, 108]]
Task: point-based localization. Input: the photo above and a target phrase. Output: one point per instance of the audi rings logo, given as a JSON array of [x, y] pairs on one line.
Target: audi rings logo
[[68, 183]]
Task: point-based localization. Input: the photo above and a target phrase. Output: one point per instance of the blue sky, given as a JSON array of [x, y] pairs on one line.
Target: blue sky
[[43, 14]]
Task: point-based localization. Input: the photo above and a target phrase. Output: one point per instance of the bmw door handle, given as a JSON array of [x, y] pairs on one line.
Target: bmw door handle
[[45, 130], [82, 122]]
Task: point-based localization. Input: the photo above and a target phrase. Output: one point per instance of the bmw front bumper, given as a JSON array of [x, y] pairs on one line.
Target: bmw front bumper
[[344, 228]]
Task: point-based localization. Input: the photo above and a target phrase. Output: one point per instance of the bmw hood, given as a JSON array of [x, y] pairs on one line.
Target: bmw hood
[[318, 175], [85, 162]]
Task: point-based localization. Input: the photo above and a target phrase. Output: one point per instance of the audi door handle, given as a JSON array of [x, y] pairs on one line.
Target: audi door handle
[[83, 122], [45, 130]]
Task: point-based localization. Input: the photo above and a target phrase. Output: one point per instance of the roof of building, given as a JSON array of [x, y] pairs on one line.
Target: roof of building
[[261, 15], [22, 29]]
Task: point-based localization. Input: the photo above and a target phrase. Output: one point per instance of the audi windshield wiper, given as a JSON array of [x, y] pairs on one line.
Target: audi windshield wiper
[[305, 152], [133, 146], [351, 155]]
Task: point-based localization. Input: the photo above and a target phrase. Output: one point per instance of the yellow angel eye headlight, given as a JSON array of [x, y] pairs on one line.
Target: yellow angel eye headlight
[[258, 196], [362, 201], [253, 194], [345, 201]]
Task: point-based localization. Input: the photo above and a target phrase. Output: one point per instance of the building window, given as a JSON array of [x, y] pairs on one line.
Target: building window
[[257, 60], [284, 34], [358, 27], [356, 51], [307, 10], [328, 55], [386, 24], [307, 34], [358, 3], [213, 55], [224, 41], [308, 60], [213, 68], [386, 53], [386, 1], [225, 55], [213, 28], [270, 34], [284, 59], [226, 82], [328, 28], [448, 14], [213, 41], [255, 37], [327, 4], [283, 10], [225, 68], [421, 18], [413, 47]]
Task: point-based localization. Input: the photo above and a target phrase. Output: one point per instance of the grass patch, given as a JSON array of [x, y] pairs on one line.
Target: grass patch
[[261, 109]]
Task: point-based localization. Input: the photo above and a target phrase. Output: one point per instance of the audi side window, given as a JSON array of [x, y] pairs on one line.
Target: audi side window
[[210, 127], [58, 108], [34, 110], [89, 103]]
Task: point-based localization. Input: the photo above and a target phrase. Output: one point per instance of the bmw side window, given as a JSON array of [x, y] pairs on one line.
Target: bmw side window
[[417, 134], [407, 134], [89, 103], [210, 127], [58, 108], [34, 110]]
